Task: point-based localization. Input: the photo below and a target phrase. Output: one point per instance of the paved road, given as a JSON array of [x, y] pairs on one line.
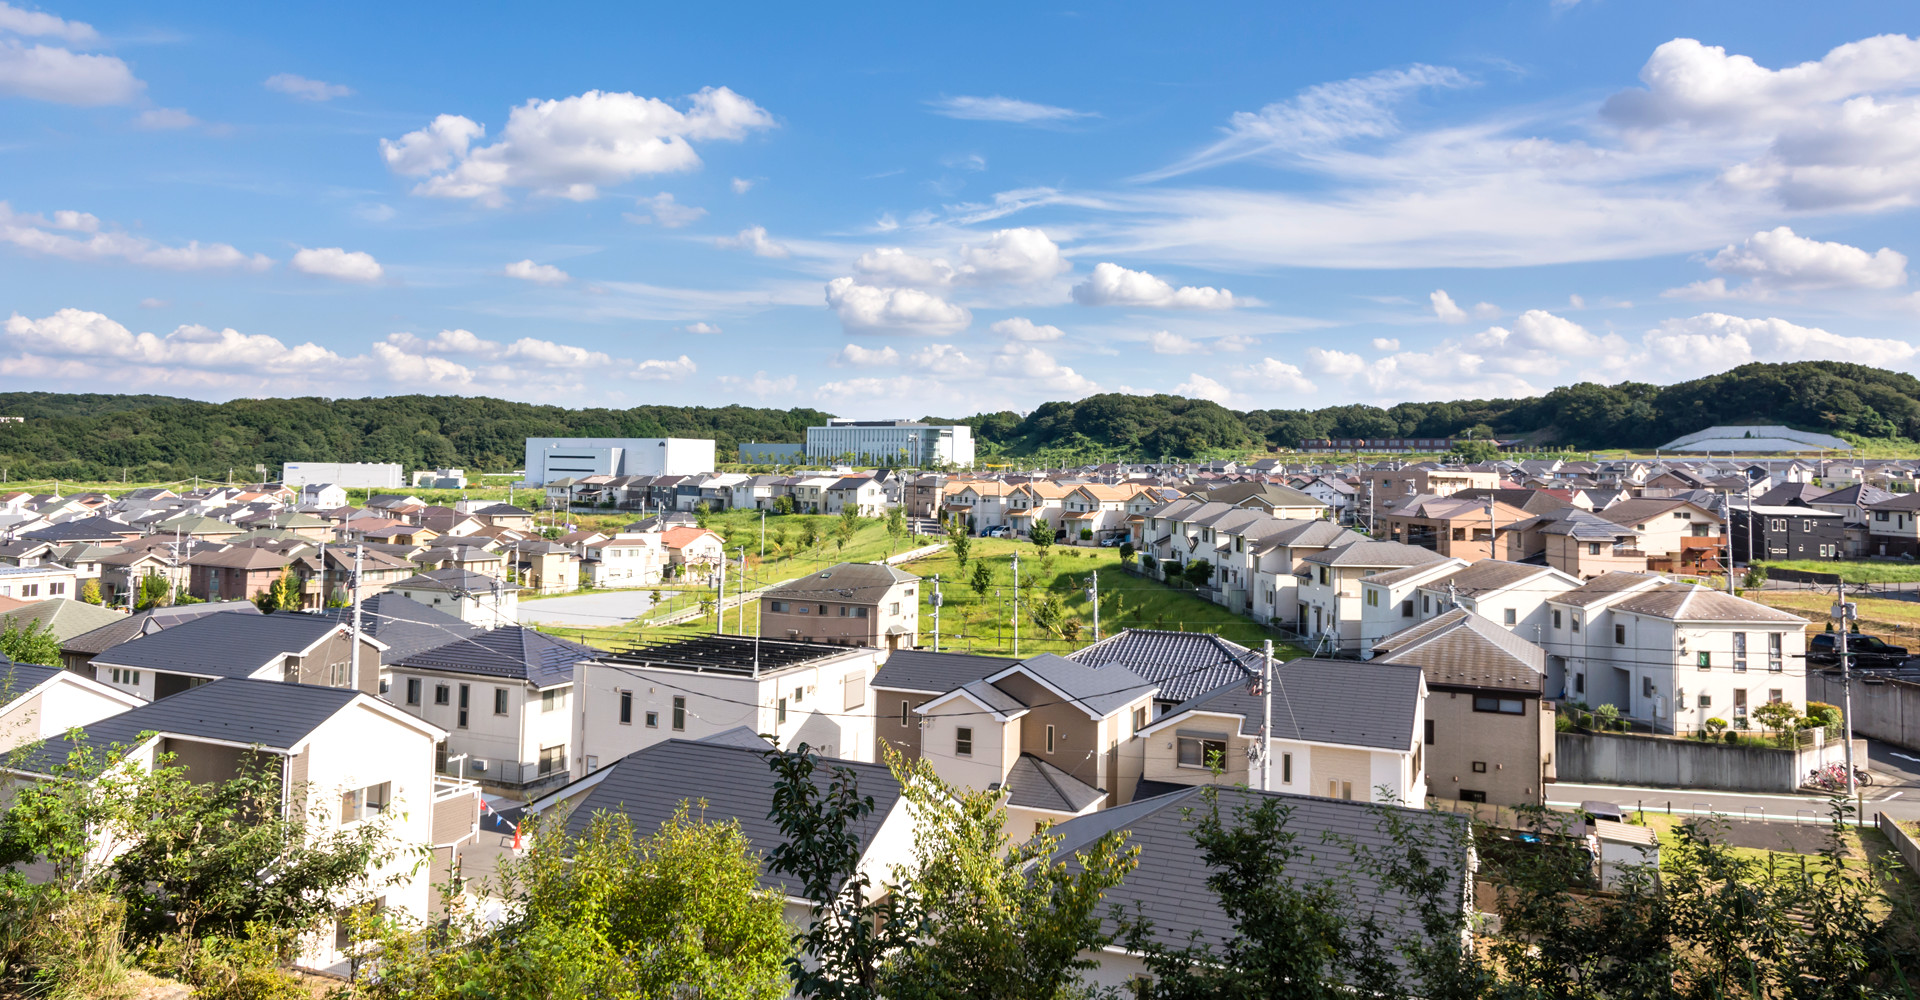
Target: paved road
[[593, 610], [1898, 802]]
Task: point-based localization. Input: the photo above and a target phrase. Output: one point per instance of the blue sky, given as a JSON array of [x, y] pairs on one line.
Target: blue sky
[[900, 210]]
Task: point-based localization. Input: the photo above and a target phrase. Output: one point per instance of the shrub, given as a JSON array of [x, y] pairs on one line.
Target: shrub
[[1147, 563], [1732, 737], [1086, 534], [1819, 713], [1715, 726]]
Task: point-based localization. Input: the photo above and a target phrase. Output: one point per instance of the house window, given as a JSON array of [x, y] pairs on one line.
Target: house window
[[1740, 702], [905, 721], [1286, 769], [778, 607], [413, 690], [1429, 733], [466, 698], [128, 677], [1202, 751], [1373, 597], [361, 803], [549, 699], [1502, 706], [442, 694], [963, 742], [863, 612], [1426, 604], [553, 759], [1774, 642], [1704, 659], [1706, 700], [1556, 619], [1323, 576], [499, 701], [1139, 719], [1510, 617], [679, 714], [1049, 739], [626, 708], [780, 712], [1406, 609], [1619, 635], [1739, 652], [1593, 548], [1774, 695], [1573, 623]]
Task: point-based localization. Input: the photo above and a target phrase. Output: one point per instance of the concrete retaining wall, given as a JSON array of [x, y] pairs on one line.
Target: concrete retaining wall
[[1664, 762], [1884, 709], [1902, 840]]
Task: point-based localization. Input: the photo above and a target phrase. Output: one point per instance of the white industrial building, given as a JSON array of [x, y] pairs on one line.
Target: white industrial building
[[549, 459], [351, 475], [903, 441]]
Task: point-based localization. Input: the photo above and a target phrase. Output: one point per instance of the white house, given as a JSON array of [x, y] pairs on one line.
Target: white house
[[1330, 594], [325, 495], [38, 702], [472, 597]]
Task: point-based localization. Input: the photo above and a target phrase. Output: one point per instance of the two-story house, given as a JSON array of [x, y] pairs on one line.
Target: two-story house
[[1893, 526], [471, 597], [1793, 531], [626, 559], [285, 647], [1095, 513], [1390, 600], [1277, 567], [1034, 503], [1685, 535], [1488, 733], [39, 703], [1464, 529], [1330, 593], [847, 604]]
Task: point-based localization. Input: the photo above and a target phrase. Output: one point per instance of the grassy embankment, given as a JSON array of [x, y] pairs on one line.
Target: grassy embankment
[[1853, 571]]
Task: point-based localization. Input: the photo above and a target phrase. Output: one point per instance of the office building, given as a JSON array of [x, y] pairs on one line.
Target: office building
[[891, 441], [550, 459]]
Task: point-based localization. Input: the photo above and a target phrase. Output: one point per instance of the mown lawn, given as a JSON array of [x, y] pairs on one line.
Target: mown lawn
[[1853, 571]]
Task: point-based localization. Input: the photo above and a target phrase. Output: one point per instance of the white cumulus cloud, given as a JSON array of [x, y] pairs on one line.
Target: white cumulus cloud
[[867, 357], [663, 209], [33, 23], [1022, 328], [41, 236], [1020, 256], [164, 119], [741, 185], [1165, 342], [539, 274], [294, 85], [336, 263], [702, 328], [1199, 386], [1113, 285], [754, 239], [571, 147], [1388, 344], [1717, 341], [1779, 260], [875, 309]]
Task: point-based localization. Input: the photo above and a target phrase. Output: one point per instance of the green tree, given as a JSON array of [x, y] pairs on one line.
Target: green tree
[[1198, 572], [702, 513], [809, 534], [1473, 451], [981, 581], [783, 504], [998, 919], [1781, 717], [90, 592], [283, 594], [896, 527], [1126, 553], [850, 936], [848, 525], [153, 592], [33, 642], [959, 540], [1042, 535]]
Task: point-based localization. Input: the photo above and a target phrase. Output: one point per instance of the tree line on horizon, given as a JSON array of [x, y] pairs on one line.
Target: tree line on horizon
[[158, 438]]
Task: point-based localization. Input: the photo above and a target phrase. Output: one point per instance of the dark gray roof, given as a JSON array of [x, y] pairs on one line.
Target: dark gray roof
[[515, 652], [152, 620], [220, 645], [935, 673], [264, 713], [1169, 887], [1184, 664], [847, 581], [1098, 692], [1371, 553], [1364, 703], [82, 529], [406, 627], [1462, 649], [1033, 783], [17, 679], [453, 580], [734, 782], [739, 736]]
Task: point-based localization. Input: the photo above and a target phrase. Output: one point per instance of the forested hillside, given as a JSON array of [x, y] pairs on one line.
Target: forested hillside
[[157, 438]]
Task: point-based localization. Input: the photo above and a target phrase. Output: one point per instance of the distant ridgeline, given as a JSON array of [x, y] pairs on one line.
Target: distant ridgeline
[[158, 438]]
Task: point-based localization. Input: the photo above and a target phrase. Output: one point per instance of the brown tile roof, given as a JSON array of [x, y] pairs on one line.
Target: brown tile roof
[[1462, 649]]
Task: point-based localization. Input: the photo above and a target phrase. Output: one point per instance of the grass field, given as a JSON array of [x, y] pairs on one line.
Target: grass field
[[1854, 571]]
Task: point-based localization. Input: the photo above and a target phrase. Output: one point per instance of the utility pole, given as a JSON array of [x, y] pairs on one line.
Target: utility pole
[[1845, 613], [936, 612], [355, 584], [1726, 548], [720, 608], [1093, 595], [741, 618], [763, 532], [1266, 728], [1016, 605]]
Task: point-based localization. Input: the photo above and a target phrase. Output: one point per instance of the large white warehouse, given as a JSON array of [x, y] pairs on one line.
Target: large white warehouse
[[352, 475], [905, 441], [549, 459]]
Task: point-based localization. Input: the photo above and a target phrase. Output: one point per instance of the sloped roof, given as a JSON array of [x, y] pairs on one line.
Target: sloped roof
[[152, 620], [1641, 510], [847, 581], [240, 557], [1604, 586], [1183, 664], [935, 673], [1032, 783], [269, 714], [1364, 703], [405, 627], [647, 786], [1690, 602], [1367, 553], [1463, 649], [1487, 575], [221, 645], [1755, 437], [452, 579], [1096, 692], [62, 617], [82, 529], [514, 652], [1169, 885]]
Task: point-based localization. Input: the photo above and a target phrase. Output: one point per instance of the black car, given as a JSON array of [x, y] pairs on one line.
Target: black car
[[1865, 650]]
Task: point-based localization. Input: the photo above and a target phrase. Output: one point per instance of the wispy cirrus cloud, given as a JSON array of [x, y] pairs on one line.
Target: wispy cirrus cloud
[[1005, 109]]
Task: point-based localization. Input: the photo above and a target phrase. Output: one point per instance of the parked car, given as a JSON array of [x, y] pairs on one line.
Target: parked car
[[997, 531], [1865, 650]]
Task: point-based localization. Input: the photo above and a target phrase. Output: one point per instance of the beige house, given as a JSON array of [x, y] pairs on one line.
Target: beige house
[[848, 604], [1330, 592], [1488, 733], [1464, 529]]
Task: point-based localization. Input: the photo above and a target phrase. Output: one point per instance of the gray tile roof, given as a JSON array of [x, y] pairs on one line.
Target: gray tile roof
[[17, 679], [406, 627], [1487, 575], [1365, 703], [935, 673], [857, 582], [1366, 553], [734, 782], [265, 713], [1184, 664], [453, 580], [152, 620], [1690, 602], [224, 645], [1463, 649], [514, 652], [1032, 783], [1098, 692], [1605, 586], [1169, 886]]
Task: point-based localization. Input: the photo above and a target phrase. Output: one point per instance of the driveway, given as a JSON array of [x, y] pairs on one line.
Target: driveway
[[589, 610]]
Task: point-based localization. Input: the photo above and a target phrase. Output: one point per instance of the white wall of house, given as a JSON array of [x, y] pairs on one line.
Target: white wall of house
[[485, 609], [508, 743]]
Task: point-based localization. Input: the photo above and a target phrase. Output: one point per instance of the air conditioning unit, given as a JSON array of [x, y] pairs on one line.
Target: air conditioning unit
[[477, 766]]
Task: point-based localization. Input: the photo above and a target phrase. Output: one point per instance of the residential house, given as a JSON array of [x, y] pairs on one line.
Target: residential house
[[38, 702], [403, 628], [923, 492], [1579, 543], [286, 647], [347, 758], [33, 583], [1390, 601], [1344, 729], [1681, 534], [544, 567], [1181, 666], [1893, 528], [504, 698], [1277, 565], [694, 552], [691, 688], [1513, 594], [1488, 733], [863, 494], [847, 604], [478, 600], [77, 653], [1279, 501], [1330, 594], [1095, 513], [323, 495], [1796, 531], [241, 572], [627, 559], [1037, 502], [1672, 655], [61, 617], [908, 679], [1464, 529]]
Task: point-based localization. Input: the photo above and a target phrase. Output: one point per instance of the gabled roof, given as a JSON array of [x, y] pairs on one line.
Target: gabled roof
[[855, 582], [1462, 649], [1607, 586], [1098, 693], [735, 782], [1857, 495], [62, 617], [1182, 664], [404, 626], [925, 672], [1032, 783], [152, 620], [268, 714], [1488, 575], [246, 557], [82, 529], [1367, 553], [453, 580], [1644, 509], [1690, 602], [221, 645], [514, 652], [1169, 885], [1363, 703]]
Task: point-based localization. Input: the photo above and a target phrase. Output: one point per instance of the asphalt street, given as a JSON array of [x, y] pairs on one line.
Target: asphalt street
[[1895, 791]]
